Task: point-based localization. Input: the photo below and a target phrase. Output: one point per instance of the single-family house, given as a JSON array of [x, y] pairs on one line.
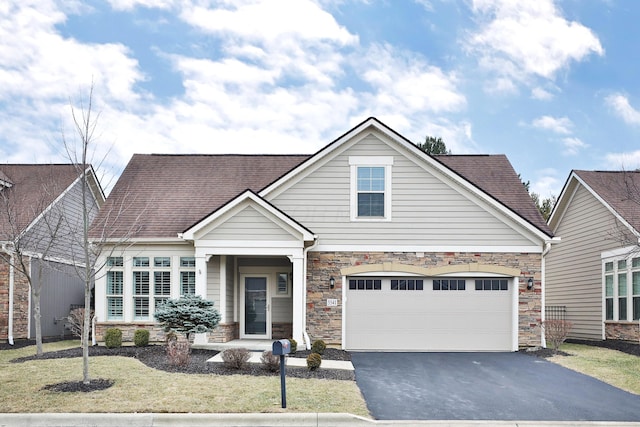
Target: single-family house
[[369, 244], [40, 213], [593, 273]]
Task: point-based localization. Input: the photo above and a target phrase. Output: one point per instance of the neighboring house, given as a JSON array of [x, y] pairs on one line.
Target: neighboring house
[[594, 272], [370, 244], [35, 198]]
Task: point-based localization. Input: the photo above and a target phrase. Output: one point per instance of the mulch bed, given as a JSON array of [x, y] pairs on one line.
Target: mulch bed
[[155, 357]]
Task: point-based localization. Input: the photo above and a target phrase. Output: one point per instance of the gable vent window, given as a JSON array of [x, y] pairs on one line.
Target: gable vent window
[[370, 188]]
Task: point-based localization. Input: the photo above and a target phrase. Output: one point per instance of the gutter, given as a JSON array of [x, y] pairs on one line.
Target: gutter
[[307, 340], [545, 251], [11, 286]]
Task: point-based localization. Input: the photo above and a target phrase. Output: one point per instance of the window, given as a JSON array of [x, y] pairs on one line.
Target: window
[[162, 262], [187, 283], [161, 287], [141, 295], [187, 262], [114, 261], [370, 188], [407, 285], [365, 284], [370, 191], [141, 261], [114, 295], [492, 285], [622, 289], [622, 296], [635, 284], [283, 284], [449, 285]]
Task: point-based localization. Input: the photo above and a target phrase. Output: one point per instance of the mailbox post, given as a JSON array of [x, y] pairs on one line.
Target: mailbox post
[[282, 348]]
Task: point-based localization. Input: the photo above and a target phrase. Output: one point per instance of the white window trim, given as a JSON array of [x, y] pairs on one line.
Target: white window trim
[[370, 161], [613, 257]]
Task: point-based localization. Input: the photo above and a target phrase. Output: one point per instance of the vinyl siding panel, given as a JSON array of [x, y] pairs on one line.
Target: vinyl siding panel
[[425, 209], [249, 224], [230, 289], [213, 281], [574, 266]]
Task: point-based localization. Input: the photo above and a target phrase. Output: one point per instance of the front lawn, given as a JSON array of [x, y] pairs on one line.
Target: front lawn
[[139, 388], [611, 366]]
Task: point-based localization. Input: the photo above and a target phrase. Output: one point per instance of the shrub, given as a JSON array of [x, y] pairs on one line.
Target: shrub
[[141, 338], [269, 361], [190, 314], [294, 345], [75, 321], [236, 358], [556, 332], [113, 338], [170, 336], [318, 346], [178, 351], [313, 361]]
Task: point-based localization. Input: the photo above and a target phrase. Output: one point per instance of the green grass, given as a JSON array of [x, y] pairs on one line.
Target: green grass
[[610, 366], [139, 388]]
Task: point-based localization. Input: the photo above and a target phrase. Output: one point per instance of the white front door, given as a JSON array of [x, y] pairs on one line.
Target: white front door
[[255, 309]]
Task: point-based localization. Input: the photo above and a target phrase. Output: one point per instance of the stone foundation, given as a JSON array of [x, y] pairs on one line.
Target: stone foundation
[[281, 330], [156, 332], [224, 332], [326, 322], [626, 331]]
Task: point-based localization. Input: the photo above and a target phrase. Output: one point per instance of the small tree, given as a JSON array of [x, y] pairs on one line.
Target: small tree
[[188, 314], [556, 332]]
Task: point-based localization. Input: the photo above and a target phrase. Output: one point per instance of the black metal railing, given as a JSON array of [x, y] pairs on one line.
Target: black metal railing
[[555, 312]]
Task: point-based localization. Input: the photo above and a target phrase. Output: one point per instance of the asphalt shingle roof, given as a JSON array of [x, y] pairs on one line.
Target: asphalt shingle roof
[[619, 189], [159, 196], [35, 187]]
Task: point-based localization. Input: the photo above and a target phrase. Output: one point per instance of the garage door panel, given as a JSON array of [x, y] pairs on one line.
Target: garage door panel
[[428, 320]]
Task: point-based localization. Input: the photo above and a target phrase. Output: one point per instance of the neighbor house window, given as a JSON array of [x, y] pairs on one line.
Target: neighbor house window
[[370, 187], [622, 289], [187, 276]]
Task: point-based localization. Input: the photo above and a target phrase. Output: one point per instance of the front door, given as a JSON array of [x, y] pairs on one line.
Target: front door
[[256, 319]]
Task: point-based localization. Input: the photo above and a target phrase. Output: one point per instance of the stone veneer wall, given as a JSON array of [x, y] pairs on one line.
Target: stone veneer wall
[[224, 332], [156, 332], [626, 331], [20, 304], [326, 322]]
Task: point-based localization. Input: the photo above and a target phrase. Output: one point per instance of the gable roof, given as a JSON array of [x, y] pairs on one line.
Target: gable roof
[[495, 175], [164, 195], [32, 189], [619, 191]]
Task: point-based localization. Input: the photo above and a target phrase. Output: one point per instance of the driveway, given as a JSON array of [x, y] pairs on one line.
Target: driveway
[[485, 386]]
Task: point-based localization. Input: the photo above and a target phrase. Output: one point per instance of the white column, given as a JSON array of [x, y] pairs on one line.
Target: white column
[[201, 289], [299, 310]]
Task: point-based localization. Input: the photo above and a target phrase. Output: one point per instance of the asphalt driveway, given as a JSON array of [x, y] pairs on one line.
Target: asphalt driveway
[[485, 386]]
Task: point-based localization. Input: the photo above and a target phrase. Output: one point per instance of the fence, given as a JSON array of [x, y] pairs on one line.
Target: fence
[[555, 312]]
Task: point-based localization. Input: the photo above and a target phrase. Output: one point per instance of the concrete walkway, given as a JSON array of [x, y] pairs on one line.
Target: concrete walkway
[[246, 420], [292, 361]]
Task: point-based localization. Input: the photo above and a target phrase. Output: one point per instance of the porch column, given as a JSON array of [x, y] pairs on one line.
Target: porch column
[[298, 298], [201, 289]]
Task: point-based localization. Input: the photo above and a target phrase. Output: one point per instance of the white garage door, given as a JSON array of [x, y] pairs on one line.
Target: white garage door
[[425, 314]]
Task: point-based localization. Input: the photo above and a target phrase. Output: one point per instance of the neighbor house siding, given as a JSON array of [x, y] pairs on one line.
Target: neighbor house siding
[[574, 265], [249, 224], [425, 210]]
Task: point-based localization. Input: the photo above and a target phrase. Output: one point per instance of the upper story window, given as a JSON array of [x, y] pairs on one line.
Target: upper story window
[[370, 187]]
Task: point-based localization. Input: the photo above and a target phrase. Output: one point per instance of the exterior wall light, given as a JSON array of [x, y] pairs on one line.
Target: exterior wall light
[[530, 283], [332, 282]]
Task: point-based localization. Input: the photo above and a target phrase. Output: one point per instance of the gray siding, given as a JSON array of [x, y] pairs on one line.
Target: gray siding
[[213, 281], [574, 266], [249, 224], [62, 287], [281, 309], [425, 210], [230, 289]]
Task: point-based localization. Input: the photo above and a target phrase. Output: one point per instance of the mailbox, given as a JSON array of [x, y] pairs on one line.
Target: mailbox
[[281, 347]]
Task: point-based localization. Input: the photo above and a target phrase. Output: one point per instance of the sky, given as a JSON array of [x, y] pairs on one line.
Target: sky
[[551, 84]]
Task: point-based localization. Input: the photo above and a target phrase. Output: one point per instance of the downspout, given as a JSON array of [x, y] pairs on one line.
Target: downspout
[[546, 250], [307, 340], [11, 286]]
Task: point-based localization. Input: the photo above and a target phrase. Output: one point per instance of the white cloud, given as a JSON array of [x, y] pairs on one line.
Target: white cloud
[[621, 106], [541, 94], [131, 4], [561, 125], [623, 161], [521, 39], [546, 183], [572, 146]]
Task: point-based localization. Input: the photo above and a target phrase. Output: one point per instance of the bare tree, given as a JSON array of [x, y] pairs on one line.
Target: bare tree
[[31, 230], [80, 151]]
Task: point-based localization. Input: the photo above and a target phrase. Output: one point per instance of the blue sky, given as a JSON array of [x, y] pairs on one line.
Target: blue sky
[[551, 84]]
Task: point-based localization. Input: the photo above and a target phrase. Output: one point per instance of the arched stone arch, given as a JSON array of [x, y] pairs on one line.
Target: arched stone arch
[[393, 267]]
